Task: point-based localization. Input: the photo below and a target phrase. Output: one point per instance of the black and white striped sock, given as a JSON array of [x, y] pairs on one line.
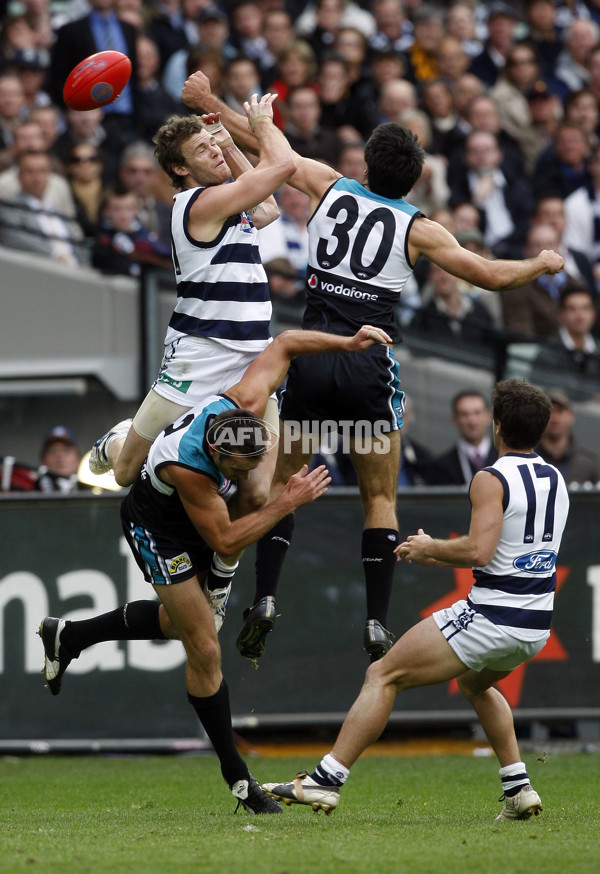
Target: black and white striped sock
[[513, 777]]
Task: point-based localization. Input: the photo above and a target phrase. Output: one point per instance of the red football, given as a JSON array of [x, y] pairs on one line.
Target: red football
[[97, 80]]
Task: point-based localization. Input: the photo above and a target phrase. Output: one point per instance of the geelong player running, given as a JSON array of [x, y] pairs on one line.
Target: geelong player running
[[519, 510]]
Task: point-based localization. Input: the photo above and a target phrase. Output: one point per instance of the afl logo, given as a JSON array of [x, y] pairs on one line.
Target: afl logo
[[312, 281], [102, 91], [179, 564], [536, 562]]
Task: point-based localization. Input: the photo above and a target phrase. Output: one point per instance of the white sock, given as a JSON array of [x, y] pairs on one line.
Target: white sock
[[330, 772]]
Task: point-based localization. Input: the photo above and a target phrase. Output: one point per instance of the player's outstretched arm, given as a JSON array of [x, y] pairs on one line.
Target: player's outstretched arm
[[311, 177], [208, 511], [267, 371], [436, 243], [477, 547], [267, 210]]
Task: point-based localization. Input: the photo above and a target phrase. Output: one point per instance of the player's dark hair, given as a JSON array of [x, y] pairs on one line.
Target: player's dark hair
[[522, 411], [169, 141], [394, 159], [238, 433]]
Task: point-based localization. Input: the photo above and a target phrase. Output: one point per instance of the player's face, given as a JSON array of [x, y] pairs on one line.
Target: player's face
[[236, 467], [203, 161]]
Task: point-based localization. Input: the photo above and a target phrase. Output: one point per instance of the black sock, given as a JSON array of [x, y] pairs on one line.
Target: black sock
[[271, 551], [215, 715], [219, 575], [135, 621], [379, 561]]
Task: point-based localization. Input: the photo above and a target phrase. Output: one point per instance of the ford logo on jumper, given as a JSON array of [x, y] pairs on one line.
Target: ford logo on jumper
[[536, 562]]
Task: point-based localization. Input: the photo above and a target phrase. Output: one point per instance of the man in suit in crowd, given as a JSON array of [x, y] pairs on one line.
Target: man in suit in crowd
[[99, 30], [473, 450]]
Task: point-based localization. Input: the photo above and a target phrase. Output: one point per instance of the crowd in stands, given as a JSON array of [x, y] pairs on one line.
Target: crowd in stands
[[504, 96]]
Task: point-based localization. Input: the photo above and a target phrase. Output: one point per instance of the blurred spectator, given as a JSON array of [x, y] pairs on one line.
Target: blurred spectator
[[240, 81], [520, 73], [86, 128], [466, 89], [472, 418], [50, 121], [213, 31], [99, 30], [384, 67], [15, 35], [395, 97], [31, 66], [28, 137], [452, 60], [543, 33], [303, 127], [28, 222], [166, 27], [559, 447], [504, 200], [183, 64], [593, 68], [449, 316], [393, 28], [59, 462], [352, 15], [532, 311], [15, 476], [488, 64], [431, 190], [122, 243], [318, 26], [483, 115], [562, 168], [283, 281], [351, 161], [138, 172], [84, 172], [287, 238], [466, 218], [278, 31], [581, 109], [348, 115], [570, 71], [416, 459], [428, 30], [546, 112], [155, 103], [437, 101], [572, 354], [353, 46], [460, 23], [550, 210], [246, 29], [296, 66], [582, 214], [12, 111]]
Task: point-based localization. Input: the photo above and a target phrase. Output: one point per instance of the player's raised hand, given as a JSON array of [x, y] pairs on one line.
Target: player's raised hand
[[196, 87], [368, 336], [256, 109], [554, 262], [304, 487]]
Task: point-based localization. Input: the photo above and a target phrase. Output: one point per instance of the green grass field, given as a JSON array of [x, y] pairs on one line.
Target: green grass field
[[174, 815]]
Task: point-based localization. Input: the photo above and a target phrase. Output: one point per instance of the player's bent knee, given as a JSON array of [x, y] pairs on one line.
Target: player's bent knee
[[203, 654]]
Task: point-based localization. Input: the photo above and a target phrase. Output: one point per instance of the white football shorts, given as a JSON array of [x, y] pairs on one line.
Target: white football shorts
[[479, 643]]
